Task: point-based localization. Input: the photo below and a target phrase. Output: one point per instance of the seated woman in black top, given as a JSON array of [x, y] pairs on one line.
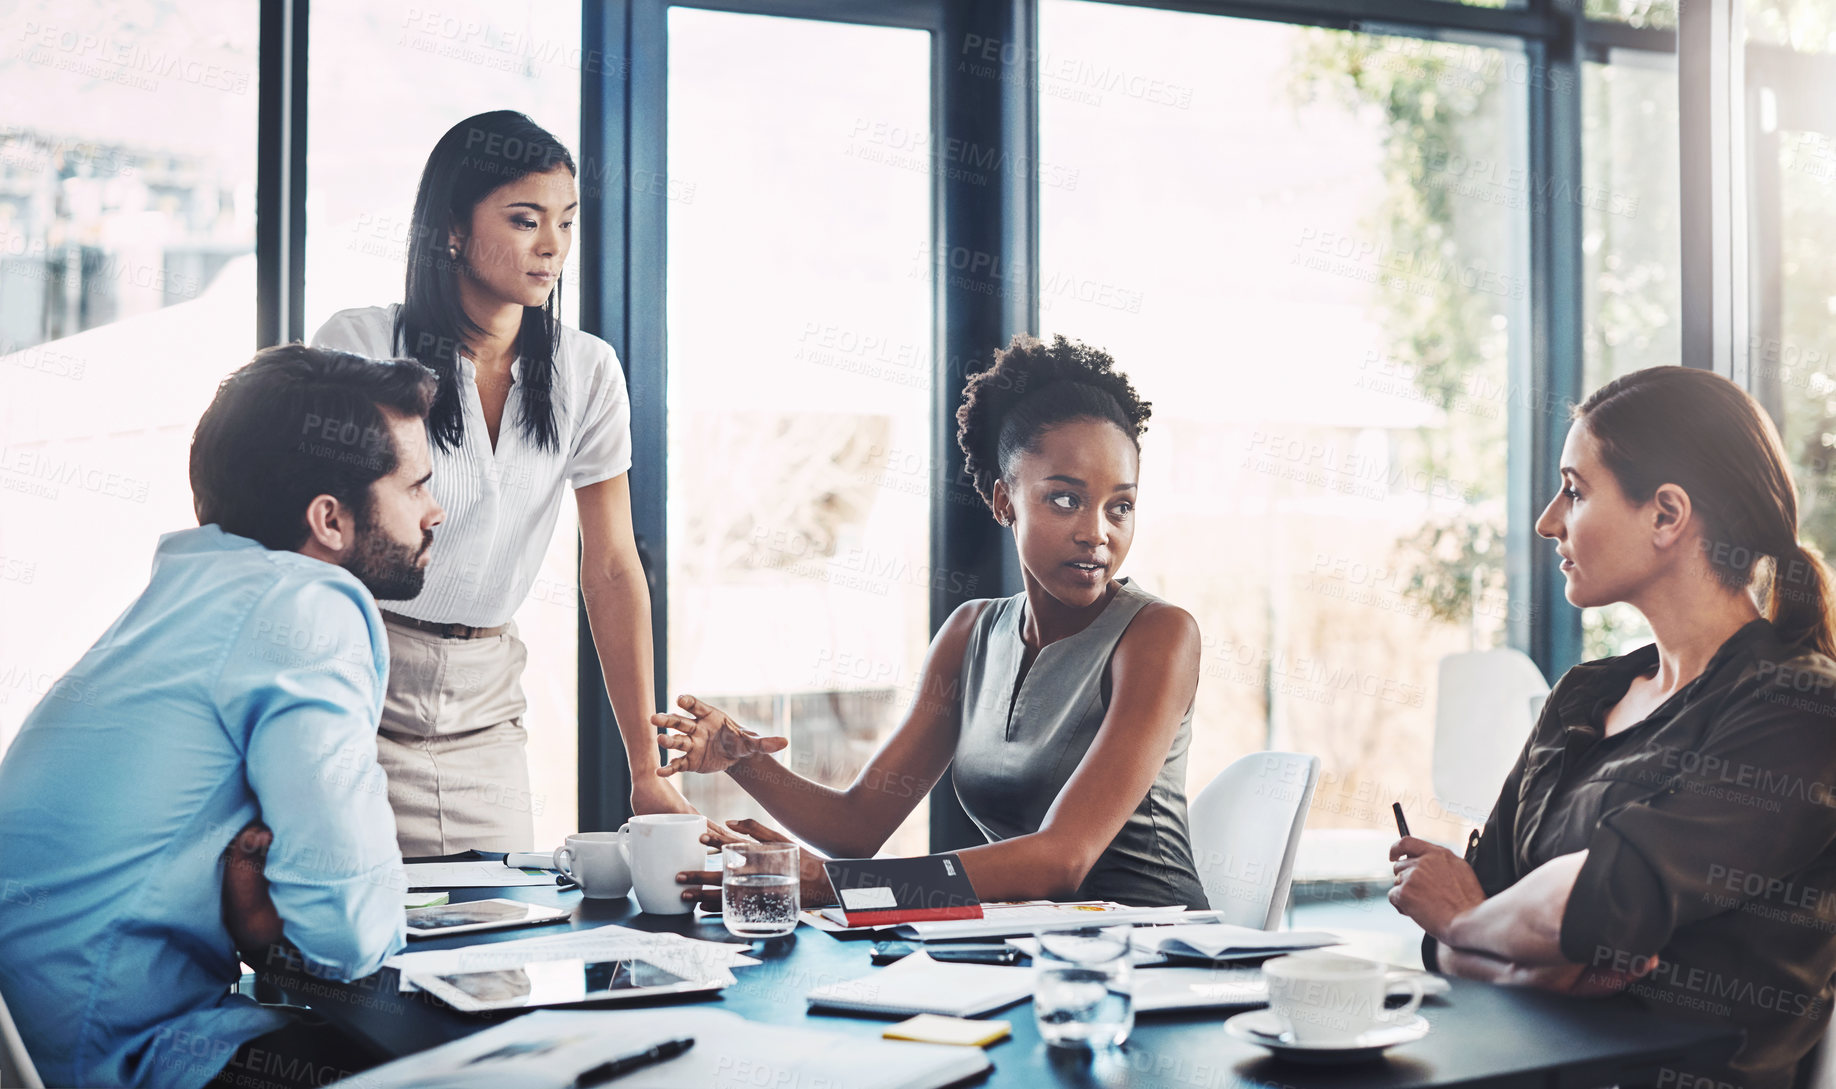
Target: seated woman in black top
[[1669, 829]]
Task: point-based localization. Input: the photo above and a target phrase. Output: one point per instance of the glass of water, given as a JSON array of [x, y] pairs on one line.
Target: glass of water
[[1084, 991], [758, 889]]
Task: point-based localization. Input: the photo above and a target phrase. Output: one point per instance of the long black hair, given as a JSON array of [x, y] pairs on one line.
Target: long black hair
[[474, 158]]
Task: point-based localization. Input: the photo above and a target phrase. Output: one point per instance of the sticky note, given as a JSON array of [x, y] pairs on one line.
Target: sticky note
[[929, 1028]]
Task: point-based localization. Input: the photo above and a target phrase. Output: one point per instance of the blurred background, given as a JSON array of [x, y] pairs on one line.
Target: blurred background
[[1314, 249]]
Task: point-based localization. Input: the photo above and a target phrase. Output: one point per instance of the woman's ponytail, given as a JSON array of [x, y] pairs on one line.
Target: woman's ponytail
[[1801, 609]]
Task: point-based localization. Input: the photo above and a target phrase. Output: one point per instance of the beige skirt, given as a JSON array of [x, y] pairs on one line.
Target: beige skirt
[[452, 743]]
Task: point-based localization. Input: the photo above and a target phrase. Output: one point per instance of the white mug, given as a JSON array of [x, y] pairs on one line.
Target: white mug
[[659, 846], [596, 862], [1329, 999]]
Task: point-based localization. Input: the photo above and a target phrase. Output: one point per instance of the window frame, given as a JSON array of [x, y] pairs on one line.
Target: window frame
[[623, 119]]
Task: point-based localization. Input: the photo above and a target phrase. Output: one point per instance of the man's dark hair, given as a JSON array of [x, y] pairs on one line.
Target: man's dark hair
[[295, 423]]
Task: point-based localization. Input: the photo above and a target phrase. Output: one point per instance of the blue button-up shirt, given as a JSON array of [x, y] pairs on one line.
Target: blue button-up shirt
[[242, 683]]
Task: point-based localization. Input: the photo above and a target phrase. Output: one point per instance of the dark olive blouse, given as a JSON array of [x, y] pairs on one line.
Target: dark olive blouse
[[1710, 829]]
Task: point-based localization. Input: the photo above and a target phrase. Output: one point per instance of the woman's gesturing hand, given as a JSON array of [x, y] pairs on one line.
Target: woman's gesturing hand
[[703, 886], [708, 740], [1433, 885]]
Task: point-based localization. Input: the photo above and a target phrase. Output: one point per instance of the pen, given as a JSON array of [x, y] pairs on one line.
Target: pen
[[1401, 824], [617, 1068]]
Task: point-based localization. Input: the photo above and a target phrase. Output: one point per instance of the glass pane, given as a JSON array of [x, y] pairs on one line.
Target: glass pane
[[1631, 239], [1318, 274], [434, 67], [1802, 26], [799, 374], [1792, 199], [1631, 252], [127, 292], [1651, 13]]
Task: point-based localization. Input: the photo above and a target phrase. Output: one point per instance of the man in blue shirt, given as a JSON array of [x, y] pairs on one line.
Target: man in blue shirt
[[236, 699]]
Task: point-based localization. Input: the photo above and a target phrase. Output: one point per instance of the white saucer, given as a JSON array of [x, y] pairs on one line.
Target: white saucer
[[1264, 1028]]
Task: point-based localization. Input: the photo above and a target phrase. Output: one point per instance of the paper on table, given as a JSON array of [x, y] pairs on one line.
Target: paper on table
[[1138, 957], [1222, 940], [917, 984], [1005, 920], [471, 875], [549, 1049], [601, 943]]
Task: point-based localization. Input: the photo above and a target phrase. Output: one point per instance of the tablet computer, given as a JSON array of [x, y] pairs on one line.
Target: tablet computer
[[558, 982], [443, 919]]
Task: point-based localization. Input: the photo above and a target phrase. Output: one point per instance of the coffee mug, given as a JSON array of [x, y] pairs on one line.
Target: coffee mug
[[1327, 999], [659, 846], [596, 862]]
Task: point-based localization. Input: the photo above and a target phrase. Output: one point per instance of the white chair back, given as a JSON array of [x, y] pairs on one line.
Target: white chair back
[[1485, 705], [16, 1069], [1246, 828]]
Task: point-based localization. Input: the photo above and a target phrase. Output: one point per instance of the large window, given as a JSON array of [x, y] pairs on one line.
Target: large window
[[127, 292], [1314, 263], [799, 324], [1791, 84], [386, 82], [1631, 247]]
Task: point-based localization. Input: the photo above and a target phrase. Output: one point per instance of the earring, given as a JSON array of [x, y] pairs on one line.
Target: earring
[[452, 251]]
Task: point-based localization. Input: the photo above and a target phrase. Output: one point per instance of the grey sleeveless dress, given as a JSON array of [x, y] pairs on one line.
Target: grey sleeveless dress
[[1017, 749]]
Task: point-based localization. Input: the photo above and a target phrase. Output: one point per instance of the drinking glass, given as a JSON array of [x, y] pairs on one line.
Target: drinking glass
[[1084, 991], [758, 889]]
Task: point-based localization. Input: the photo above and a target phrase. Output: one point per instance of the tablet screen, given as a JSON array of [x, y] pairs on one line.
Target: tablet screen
[[442, 916], [549, 982]]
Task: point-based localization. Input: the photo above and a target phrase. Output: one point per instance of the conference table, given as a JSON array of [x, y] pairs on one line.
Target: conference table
[[1482, 1035]]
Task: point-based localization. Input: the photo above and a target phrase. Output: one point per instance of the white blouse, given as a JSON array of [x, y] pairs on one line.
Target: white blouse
[[501, 505]]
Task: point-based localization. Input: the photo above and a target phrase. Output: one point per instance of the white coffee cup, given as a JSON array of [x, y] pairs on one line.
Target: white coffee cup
[[596, 862], [659, 846], [1328, 999]]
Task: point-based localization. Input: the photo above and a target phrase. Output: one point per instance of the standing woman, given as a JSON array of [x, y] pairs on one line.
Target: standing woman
[[525, 406]]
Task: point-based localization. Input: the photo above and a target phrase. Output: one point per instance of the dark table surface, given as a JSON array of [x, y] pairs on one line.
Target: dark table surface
[[1482, 1035]]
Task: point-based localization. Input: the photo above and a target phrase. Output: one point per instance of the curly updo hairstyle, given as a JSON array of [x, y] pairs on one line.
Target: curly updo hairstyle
[[1032, 387]]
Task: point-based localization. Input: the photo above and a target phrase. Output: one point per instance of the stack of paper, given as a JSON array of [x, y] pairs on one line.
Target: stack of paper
[[550, 1049], [1222, 941], [685, 956], [472, 875], [1008, 920], [917, 984]]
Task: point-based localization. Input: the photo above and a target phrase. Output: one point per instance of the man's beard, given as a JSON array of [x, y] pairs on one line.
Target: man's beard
[[387, 567]]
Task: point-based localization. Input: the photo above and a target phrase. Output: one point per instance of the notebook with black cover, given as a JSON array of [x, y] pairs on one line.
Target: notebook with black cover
[[891, 891]]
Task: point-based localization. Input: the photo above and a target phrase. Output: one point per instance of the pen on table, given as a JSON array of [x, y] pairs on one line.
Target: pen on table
[[565, 882], [606, 1071]]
